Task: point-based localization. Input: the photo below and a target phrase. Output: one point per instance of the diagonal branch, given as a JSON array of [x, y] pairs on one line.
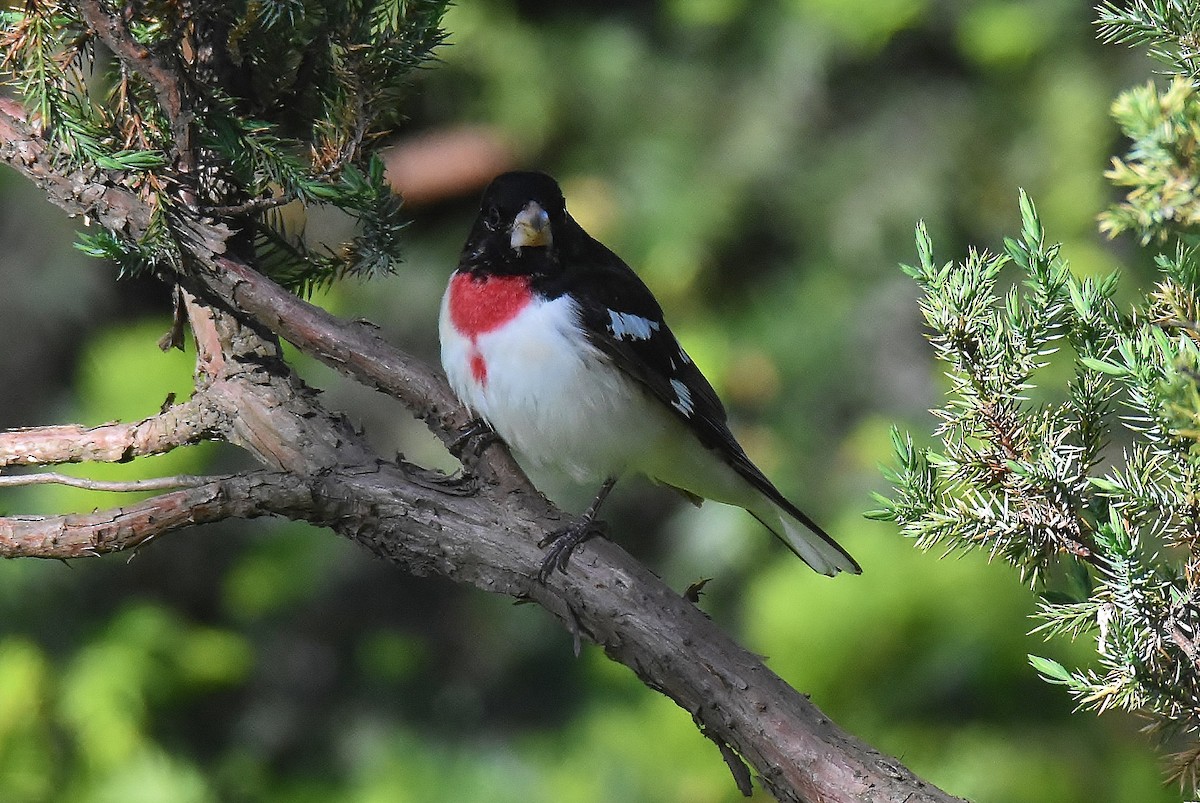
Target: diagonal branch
[[354, 348], [86, 191]]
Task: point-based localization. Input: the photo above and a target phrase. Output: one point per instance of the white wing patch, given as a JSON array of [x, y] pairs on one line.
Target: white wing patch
[[683, 397], [627, 326]]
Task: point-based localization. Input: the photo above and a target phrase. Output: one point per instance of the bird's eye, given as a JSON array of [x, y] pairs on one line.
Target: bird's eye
[[491, 218]]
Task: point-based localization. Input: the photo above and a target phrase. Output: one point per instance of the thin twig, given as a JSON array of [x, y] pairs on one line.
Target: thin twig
[[127, 486], [254, 205]]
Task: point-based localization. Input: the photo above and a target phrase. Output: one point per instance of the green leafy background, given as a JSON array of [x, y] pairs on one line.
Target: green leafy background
[[762, 164]]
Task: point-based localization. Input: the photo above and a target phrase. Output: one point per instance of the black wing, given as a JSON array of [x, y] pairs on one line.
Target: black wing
[[624, 321]]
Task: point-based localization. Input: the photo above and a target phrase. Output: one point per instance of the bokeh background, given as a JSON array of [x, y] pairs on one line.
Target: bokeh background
[[762, 164]]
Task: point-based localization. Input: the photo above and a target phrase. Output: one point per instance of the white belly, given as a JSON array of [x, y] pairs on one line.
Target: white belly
[[551, 395]]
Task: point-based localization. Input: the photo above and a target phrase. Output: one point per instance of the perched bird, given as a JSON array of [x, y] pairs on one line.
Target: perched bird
[[559, 346]]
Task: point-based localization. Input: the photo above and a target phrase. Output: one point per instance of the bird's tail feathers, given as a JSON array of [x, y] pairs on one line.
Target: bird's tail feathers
[[808, 541]]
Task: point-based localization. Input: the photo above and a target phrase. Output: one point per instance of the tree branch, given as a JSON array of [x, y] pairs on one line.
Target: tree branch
[[179, 425], [87, 191], [127, 486], [81, 535], [354, 348]]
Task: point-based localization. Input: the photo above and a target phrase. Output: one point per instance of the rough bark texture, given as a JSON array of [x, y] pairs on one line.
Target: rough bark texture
[[480, 529]]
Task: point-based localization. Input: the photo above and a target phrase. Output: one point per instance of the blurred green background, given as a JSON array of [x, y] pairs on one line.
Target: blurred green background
[[762, 164]]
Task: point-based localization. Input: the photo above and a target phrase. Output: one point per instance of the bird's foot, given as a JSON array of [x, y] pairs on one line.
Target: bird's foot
[[473, 439], [561, 543]]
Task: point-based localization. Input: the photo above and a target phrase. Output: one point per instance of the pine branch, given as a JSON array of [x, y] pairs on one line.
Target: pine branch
[[1111, 542]]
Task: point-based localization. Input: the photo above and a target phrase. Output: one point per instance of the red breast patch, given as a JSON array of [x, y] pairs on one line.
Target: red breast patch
[[481, 304], [478, 367]]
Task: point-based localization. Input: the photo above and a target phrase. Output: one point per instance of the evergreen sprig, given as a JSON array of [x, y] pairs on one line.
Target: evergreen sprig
[[1167, 28], [368, 198], [1012, 476], [281, 101], [1159, 172], [1069, 442], [1027, 467]]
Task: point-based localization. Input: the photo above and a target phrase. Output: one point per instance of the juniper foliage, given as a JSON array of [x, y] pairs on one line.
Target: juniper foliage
[[222, 113], [1091, 488]]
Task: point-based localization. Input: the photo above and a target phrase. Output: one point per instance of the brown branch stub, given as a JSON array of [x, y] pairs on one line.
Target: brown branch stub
[[210, 356], [187, 423], [81, 535]]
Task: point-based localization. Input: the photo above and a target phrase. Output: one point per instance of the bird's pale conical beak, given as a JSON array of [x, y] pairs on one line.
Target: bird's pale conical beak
[[531, 228]]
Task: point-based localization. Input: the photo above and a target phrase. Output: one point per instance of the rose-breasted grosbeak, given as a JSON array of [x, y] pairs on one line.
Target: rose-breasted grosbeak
[[560, 347]]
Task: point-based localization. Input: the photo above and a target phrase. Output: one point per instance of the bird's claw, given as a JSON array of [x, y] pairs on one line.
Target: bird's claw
[[561, 543], [473, 439]]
